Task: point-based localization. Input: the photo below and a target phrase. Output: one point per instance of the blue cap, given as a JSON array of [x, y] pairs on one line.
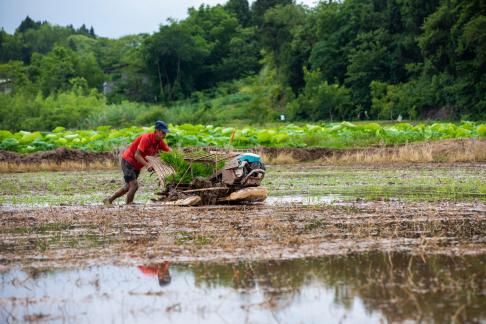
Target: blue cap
[[160, 125]]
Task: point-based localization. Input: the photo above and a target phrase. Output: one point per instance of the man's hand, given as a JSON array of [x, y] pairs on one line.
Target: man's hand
[[141, 160]]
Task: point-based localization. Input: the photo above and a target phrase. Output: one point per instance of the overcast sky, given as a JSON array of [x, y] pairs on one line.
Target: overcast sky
[[109, 18]]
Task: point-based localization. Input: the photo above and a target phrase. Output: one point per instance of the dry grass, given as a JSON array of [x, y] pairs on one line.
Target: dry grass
[[442, 151], [281, 158], [470, 151], [407, 153], [6, 167]]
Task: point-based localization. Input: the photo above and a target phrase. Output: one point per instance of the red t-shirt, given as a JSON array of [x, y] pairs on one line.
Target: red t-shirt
[[147, 145]]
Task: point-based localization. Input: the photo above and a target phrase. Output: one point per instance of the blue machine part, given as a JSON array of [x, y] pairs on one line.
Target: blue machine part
[[249, 157]]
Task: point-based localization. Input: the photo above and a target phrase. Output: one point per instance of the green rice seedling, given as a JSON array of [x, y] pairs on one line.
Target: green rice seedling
[[186, 171]]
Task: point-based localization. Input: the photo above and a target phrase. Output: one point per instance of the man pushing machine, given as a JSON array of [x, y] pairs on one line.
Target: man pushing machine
[[133, 160]]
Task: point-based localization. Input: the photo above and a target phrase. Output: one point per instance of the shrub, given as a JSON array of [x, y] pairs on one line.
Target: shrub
[[321, 100]]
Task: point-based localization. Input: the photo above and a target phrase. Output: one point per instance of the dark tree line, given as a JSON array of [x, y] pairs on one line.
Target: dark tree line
[[396, 57], [339, 60]]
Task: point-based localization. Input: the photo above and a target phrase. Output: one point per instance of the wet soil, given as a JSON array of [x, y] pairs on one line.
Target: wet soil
[[383, 256], [122, 234]]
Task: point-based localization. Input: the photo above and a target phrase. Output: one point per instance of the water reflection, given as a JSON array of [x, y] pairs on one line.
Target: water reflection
[[160, 270], [398, 285], [370, 287]]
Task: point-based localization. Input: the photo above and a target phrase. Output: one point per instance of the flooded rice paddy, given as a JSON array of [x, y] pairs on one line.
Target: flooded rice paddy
[[354, 288], [331, 244], [426, 182]]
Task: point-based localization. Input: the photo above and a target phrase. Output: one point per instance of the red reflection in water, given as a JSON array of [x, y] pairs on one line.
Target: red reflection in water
[[161, 270]]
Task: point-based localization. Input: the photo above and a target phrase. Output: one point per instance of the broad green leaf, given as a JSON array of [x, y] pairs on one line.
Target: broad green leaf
[[481, 130], [5, 134], [28, 137], [9, 144]]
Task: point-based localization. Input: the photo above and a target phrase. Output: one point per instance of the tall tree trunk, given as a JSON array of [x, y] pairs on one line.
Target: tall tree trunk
[[169, 86], [160, 79], [178, 68]]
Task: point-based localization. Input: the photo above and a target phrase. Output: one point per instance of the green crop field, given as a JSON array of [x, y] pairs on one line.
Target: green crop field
[[331, 135]]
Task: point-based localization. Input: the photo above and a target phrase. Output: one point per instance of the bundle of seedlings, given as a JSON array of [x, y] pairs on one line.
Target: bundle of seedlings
[[209, 176], [188, 174]]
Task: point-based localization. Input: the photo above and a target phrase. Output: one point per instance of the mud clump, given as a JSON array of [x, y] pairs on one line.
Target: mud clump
[[61, 159], [175, 191], [57, 156], [200, 182]]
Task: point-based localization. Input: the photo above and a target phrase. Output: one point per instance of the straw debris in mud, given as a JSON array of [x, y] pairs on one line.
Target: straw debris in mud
[[250, 232]]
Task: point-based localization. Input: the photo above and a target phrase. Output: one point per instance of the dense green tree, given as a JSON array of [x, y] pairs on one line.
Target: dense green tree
[[217, 28], [43, 39], [260, 7], [321, 100], [173, 56], [27, 24], [83, 30], [241, 10], [130, 77], [243, 56], [82, 44], [54, 70], [11, 47], [419, 59], [88, 68], [368, 62], [452, 44], [333, 38], [362, 41], [281, 36], [17, 75], [38, 37], [448, 81], [436, 42], [109, 52]]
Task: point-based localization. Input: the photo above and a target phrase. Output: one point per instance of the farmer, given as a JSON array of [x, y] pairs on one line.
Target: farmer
[[133, 160]]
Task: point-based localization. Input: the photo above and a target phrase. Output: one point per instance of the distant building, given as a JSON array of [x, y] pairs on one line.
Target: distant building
[[108, 87], [5, 85]]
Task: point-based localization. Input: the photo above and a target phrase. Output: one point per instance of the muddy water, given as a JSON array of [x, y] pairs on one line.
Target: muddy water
[[356, 288]]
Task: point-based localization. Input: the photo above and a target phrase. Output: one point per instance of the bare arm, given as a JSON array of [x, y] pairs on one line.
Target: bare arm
[[140, 159], [165, 147]]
